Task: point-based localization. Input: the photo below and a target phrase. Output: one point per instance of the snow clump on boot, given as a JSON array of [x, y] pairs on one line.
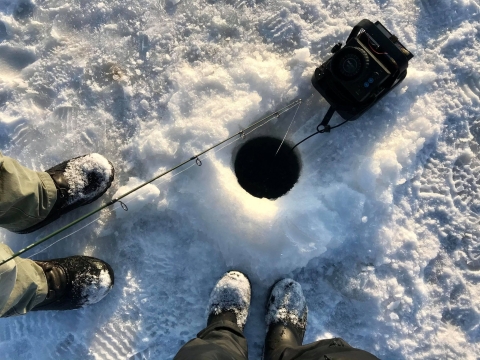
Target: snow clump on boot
[[96, 287], [88, 176], [231, 294], [287, 305]]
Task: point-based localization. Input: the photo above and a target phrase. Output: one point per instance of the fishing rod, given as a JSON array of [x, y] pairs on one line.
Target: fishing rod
[[195, 158]]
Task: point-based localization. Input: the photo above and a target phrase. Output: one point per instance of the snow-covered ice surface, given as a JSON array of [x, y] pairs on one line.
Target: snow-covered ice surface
[[381, 230]]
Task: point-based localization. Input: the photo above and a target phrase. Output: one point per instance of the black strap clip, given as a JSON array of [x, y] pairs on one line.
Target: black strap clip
[[326, 120], [198, 161], [326, 128]]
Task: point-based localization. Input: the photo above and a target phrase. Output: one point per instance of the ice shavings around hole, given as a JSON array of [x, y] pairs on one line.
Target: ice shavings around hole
[[96, 287], [231, 293], [87, 177]]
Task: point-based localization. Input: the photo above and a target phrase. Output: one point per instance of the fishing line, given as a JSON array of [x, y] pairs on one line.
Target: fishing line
[[287, 130], [324, 124], [66, 236], [241, 134]]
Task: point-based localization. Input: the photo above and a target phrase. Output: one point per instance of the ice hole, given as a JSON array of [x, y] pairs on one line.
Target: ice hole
[[262, 173]]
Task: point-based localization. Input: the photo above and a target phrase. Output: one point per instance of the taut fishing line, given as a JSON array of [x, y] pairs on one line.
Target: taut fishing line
[[289, 126], [240, 135]]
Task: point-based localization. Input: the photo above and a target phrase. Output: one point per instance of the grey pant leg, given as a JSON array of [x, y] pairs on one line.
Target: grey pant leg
[[26, 196], [222, 340], [22, 284], [328, 349]]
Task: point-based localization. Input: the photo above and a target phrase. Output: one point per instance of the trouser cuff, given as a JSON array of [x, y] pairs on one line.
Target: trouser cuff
[[221, 325]]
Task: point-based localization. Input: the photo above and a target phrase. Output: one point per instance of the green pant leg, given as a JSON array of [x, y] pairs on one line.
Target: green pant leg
[[8, 275], [22, 284], [26, 196], [222, 340], [330, 349]]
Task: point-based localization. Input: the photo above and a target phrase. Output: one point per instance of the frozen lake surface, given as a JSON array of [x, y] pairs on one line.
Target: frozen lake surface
[[382, 228]]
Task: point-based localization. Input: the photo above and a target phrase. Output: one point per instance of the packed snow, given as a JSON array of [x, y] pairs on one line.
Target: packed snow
[[381, 230]]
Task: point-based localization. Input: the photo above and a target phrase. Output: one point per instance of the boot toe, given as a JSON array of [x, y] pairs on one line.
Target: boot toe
[[94, 282], [287, 305], [231, 294], [88, 178], [286, 318]]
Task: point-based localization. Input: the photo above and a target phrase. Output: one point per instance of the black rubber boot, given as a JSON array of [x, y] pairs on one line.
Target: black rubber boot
[[286, 318], [75, 282], [79, 181], [230, 299]]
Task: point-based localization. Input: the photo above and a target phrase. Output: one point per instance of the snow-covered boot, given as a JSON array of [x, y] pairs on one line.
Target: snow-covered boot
[[79, 181], [74, 282], [230, 299], [286, 318]]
